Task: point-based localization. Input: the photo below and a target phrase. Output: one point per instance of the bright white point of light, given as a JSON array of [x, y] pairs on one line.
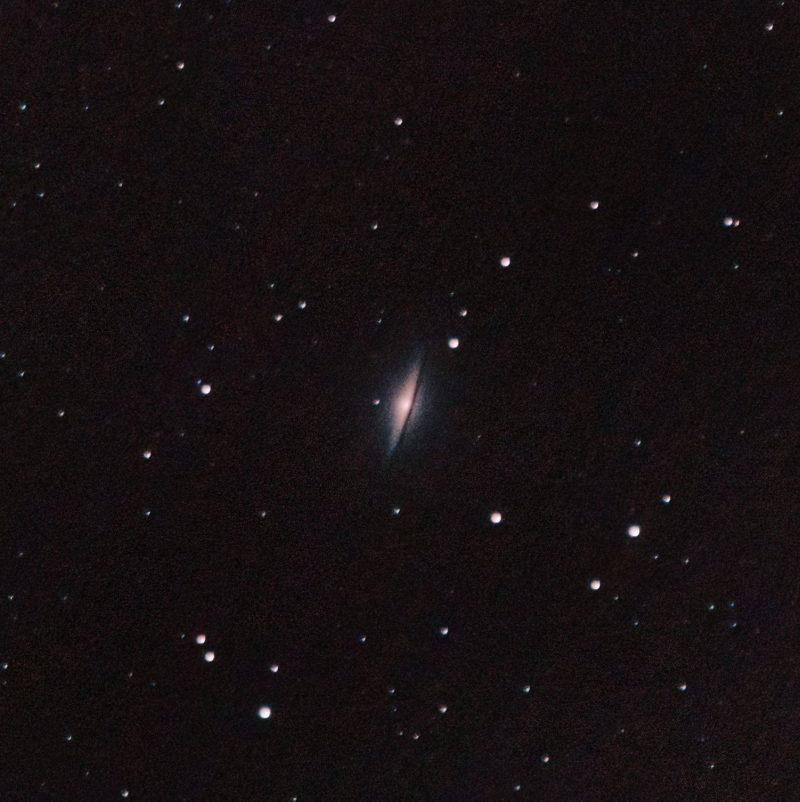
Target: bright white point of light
[[729, 222], [209, 657], [526, 688], [452, 342], [264, 712], [442, 709], [462, 312], [205, 389], [444, 630], [595, 584], [124, 793], [545, 758], [200, 639], [505, 261], [23, 106], [37, 165], [274, 668], [277, 317], [147, 454], [362, 639], [682, 686], [374, 226], [301, 304], [331, 17], [395, 510], [376, 402], [634, 530], [769, 26], [179, 65], [495, 517], [161, 101], [594, 205], [666, 498], [60, 413], [398, 121], [185, 318]]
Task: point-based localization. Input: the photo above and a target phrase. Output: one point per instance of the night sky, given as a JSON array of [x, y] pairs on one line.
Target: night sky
[[399, 402]]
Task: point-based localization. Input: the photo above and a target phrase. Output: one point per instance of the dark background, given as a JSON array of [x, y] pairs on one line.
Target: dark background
[[640, 349]]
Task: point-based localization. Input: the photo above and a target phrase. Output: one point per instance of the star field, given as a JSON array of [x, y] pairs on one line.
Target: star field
[[399, 402]]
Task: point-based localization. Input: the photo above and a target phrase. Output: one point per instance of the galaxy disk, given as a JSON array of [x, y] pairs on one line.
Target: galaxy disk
[[404, 403]]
